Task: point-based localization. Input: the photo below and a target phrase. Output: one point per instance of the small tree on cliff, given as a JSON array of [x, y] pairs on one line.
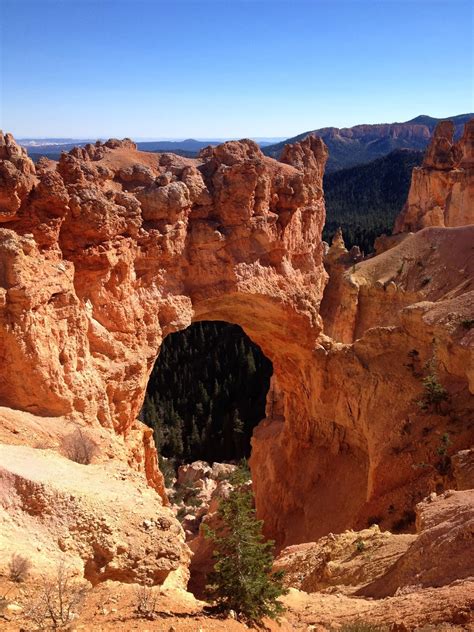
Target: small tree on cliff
[[243, 579]]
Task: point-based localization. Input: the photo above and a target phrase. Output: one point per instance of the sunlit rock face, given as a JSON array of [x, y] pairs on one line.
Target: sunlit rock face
[[442, 189], [111, 249]]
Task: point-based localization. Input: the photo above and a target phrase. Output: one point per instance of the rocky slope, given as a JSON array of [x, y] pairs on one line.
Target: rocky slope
[[371, 563], [108, 523], [332, 583]]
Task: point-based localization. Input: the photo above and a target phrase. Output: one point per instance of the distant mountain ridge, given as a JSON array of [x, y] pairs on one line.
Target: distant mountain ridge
[[351, 146], [52, 147], [348, 146]]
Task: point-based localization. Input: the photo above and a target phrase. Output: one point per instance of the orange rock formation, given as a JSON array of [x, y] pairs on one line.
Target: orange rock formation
[[110, 249], [442, 189]]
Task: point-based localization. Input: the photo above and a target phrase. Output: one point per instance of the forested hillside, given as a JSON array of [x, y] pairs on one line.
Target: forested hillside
[[365, 200], [360, 144], [206, 393]]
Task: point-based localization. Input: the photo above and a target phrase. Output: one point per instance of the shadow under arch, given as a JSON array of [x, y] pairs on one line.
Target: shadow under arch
[[206, 393]]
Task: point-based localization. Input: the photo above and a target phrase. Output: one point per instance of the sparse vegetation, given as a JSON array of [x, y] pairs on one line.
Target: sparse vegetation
[[243, 580], [444, 464], [467, 323], [434, 392], [444, 443], [56, 602], [19, 568], [146, 602], [181, 514], [79, 447], [242, 474], [360, 545]]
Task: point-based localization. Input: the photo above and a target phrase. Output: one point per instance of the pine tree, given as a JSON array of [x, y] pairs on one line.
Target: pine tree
[[237, 433], [250, 363], [175, 437], [148, 412], [243, 579], [158, 434], [194, 440]]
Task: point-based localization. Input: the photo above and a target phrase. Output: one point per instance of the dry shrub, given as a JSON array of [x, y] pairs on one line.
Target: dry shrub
[[19, 568], [56, 602], [79, 447], [146, 601]]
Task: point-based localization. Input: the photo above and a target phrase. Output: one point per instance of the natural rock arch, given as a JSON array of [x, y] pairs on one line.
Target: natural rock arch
[[109, 250]]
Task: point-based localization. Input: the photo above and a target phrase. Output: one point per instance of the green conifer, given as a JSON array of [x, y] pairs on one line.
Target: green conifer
[[243, 579]]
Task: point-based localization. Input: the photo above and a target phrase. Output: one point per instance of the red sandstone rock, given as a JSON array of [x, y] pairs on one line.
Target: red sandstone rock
[[16, 177], [463, 466], [345, 562], [115, 248], [442, 189]]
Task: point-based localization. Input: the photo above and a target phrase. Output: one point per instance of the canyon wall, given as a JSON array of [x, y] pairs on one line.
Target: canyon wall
[[395, 320], [109, 250]]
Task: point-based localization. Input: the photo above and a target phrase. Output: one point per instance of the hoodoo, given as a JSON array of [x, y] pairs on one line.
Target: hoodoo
[[442, 189]]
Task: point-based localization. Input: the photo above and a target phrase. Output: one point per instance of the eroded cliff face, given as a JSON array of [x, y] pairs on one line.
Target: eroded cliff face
[[442, 189], [111, 249], [400, 317]]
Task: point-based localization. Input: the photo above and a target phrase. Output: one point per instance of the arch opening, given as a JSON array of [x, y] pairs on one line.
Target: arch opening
[[206, 393]]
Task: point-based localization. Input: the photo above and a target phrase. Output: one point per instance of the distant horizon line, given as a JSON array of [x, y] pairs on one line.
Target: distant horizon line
[[149, 138], [102, 137]]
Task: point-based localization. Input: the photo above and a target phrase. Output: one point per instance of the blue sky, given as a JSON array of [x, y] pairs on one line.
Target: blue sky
[[229, 68]]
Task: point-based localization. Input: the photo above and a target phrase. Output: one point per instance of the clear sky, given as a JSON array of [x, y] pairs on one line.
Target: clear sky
[[229, 68]]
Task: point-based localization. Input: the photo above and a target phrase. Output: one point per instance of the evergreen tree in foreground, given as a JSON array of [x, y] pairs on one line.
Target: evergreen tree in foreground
[[243, 579]]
